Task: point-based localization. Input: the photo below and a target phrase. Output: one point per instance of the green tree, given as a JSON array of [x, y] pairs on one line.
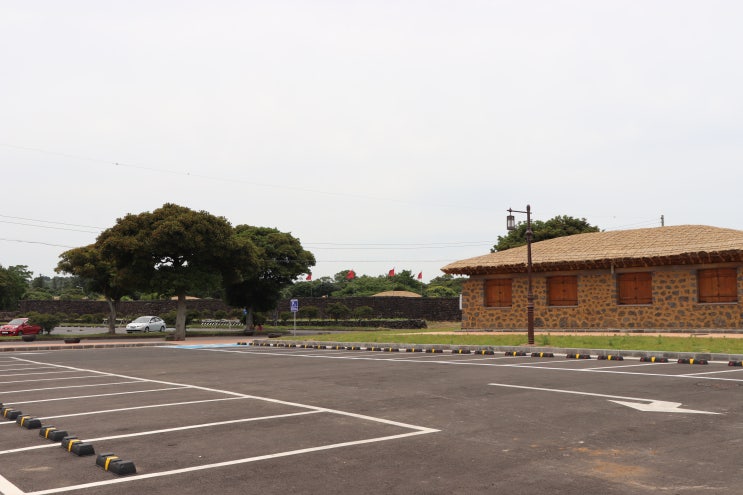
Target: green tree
[[309, 312], [323, 286], [99, 274], [38, 295], [363, 312], [558, 226], [366, 285], [173, 250], [46, 321], [337, 310], [445, 286], [14, 282], [278, 260]]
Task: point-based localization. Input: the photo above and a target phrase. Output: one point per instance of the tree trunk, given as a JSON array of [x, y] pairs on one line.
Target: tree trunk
[[180, 319], [111, 316], [249, 326]]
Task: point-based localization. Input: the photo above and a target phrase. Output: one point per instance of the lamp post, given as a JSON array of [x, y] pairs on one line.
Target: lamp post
[[511, 225]]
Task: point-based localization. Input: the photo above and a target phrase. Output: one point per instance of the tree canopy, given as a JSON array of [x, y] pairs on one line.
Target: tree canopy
[[173, 250], [279, 259], [13, 284], [558, 226], [100, 275]]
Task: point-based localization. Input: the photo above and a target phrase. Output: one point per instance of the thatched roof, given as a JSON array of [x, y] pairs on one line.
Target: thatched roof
[[678, 245], [396, 293]]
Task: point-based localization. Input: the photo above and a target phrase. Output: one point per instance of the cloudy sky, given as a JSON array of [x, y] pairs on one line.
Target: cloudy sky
[[383, 134]]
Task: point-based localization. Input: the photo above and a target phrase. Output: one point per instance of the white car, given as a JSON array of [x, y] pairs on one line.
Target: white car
[[146, 324]]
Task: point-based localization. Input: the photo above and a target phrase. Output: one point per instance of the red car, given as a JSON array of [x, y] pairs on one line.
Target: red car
[[20, 326]]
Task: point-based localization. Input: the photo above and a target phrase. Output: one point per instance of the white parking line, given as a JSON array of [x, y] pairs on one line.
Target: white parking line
[[224, 464], [134, 408], [52, 371], [97, 395], [7, 488], [732, 370], [164, 430], [70, 386], [53, 379], [14, 367], [538, 365]]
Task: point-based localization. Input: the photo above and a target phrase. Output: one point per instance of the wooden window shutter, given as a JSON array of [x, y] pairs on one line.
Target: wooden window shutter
[[718, 285], [635, 288], [563, 290], [498, 292]]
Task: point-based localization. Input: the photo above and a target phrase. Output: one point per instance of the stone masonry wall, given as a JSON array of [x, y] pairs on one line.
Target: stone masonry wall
[[674, 305], [431, 309]]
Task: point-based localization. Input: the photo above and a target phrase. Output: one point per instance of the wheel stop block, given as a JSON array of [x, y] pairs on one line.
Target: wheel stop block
[[28, 422], [111, 462], [52, 433], [10, 413], [81, 448]]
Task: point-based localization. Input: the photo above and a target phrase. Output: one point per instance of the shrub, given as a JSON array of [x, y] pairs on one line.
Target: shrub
[[363, 312], [88, 318], [169, 317], [46, 321], [309, 312], [337, 310]]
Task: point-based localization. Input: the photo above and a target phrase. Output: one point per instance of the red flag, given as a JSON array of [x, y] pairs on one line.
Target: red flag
[[420, 276], [309, 276], [391, 273], [351, 275]]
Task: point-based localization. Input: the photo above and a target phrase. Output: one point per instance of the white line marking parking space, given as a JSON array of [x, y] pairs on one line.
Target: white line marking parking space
[[8, 488], [612, 367]]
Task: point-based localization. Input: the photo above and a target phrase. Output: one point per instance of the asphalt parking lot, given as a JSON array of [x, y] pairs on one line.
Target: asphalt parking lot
[[235, 419]]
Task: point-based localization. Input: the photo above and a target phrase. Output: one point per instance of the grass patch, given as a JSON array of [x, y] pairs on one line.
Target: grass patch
[[721, 345]]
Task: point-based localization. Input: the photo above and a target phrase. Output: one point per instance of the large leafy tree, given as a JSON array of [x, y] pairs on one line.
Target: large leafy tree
[[323, 286], [174, 250], [14, 282], [258, 283], [99, 274], [558, 226], [366, 285], [445, 285]]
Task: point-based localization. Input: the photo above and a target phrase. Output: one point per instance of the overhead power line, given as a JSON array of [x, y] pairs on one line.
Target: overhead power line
[[51, 222], [232, 179], [38, 242], [48, 227]]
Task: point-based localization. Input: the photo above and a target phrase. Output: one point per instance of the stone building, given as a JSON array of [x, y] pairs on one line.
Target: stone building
[[681, 277]]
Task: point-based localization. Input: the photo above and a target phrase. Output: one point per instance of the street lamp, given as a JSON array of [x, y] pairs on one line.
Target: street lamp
[[511, 225]]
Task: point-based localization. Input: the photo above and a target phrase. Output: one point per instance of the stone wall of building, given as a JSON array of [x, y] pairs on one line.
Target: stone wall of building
[[674, 305]]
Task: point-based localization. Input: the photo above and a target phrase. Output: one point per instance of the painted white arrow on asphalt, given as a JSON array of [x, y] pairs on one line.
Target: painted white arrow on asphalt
[[660, 406], [645, 405]]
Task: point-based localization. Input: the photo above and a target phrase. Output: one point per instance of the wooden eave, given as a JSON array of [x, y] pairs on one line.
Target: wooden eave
[[663, 246]]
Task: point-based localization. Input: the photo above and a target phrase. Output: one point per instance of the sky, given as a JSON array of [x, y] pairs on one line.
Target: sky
[[387, 134]]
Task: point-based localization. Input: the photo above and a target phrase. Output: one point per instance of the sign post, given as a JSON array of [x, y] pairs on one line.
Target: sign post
[[295, 309]]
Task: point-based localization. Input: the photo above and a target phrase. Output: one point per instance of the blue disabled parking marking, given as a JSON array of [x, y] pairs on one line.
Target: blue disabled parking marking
[[202, 346]]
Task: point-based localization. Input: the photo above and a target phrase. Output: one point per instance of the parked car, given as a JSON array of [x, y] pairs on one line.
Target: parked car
[[146, 324], [20, 326]]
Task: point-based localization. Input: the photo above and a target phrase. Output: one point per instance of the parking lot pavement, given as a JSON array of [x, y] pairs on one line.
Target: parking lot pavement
[[226, 418]]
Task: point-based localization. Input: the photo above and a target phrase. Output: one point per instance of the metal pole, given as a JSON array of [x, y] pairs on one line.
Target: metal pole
[[530, 292]]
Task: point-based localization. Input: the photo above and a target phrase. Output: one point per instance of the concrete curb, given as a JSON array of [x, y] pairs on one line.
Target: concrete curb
[[27, 347], [529, 350]]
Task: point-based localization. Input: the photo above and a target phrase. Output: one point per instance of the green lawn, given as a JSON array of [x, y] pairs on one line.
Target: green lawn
[[609, 342]]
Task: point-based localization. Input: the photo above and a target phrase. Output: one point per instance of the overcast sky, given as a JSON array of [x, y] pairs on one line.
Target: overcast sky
[[383, 134]]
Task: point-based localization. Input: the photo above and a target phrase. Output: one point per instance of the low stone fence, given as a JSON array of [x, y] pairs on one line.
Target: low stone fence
[[424, 308]]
